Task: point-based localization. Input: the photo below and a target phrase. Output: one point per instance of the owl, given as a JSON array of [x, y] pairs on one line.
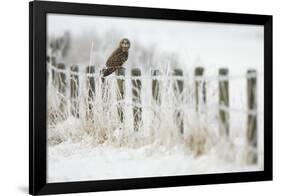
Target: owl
[[117, 58]]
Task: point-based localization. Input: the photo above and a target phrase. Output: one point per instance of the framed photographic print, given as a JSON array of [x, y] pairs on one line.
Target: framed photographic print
[[132, 97]]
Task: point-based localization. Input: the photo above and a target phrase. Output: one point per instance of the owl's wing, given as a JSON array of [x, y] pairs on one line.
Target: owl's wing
[[117, 58]]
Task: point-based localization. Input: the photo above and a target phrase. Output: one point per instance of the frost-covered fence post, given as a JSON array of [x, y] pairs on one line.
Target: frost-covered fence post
[[120, 93], [90, 70], [52, 60], [156, 100], [252, 115], [50, 64], [199, 71], [178, 89], [61, 79], [53, 72], [223, 102], [156, 87], [136, 98], [74, 90]]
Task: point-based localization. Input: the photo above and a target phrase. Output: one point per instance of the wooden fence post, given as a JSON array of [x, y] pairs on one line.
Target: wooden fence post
[[178, 88], [199, 71], [61, 79], [136, 97], [91, 90], [52, 60], [156, 87], [49, 74], [54, 74], [120, 93], [223, 102], [74, 90], [252, 115]]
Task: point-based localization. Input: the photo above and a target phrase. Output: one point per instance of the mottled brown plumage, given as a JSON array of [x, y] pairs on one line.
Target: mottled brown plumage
[[117, 58]]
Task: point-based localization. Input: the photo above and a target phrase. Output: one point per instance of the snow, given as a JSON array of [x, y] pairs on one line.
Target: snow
[[79, 158], [75, 162]]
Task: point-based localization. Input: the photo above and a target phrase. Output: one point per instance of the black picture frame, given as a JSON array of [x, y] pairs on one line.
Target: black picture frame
[[37, 97]]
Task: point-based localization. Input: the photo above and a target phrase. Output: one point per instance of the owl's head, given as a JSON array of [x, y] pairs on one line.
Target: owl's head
[[124, 44]]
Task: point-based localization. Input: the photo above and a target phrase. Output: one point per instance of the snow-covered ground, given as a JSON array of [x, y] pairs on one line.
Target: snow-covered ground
[[79, 157], [76, 162]]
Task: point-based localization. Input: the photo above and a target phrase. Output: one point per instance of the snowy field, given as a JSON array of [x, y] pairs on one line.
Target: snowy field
[[78, 158], [75, 162], [102, 148]]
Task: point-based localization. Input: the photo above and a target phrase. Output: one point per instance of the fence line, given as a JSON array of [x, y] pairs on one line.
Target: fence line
[[163, 77], [152, 77]]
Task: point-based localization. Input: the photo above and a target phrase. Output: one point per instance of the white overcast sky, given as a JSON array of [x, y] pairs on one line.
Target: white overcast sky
[[217, 44]]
